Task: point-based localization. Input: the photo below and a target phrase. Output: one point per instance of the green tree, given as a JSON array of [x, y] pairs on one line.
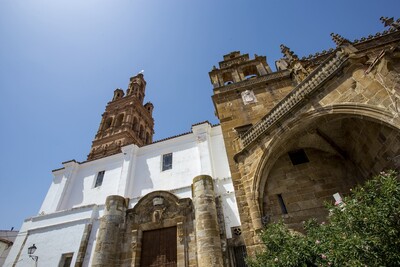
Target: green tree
[[363, 230]]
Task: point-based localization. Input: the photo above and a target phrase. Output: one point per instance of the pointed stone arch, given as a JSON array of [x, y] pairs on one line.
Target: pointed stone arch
[[315, 132]]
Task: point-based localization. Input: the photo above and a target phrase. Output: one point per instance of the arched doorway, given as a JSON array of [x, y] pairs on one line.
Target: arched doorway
[[160, 227], [321, 156]]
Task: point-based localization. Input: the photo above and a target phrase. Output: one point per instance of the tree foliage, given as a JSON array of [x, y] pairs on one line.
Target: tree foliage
[[363, 230]]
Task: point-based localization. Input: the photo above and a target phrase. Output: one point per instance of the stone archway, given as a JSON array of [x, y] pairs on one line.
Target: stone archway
[[160, 214], [334, 153]]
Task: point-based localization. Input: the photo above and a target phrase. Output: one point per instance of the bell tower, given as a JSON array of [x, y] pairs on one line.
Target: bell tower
[[125, 121]]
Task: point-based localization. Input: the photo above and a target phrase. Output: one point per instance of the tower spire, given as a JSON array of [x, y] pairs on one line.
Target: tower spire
[[125, 121]]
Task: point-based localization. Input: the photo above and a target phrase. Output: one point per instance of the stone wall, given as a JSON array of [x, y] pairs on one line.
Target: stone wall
[[344, 115]]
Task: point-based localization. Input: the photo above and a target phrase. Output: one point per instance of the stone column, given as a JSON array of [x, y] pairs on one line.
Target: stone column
[[208, 241], [105, 254]]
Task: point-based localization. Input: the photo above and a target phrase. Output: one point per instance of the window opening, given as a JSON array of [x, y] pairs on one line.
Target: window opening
[[135, 124], [250, 76], [108, 123], [282, 204], [99, 179], [167, 162], [141, 131], [298, 157], [227, 78], [228, 83], [66, 260], [119, 120]]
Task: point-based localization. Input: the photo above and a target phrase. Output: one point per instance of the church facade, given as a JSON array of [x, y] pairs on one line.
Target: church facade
[[136, 202], [287, 141], [317, 126]]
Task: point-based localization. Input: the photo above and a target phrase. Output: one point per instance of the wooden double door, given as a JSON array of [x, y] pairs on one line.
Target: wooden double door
[[159, 248]]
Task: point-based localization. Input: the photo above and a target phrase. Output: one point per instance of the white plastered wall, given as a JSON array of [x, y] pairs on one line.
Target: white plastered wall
[[133, 173], [53, 235]]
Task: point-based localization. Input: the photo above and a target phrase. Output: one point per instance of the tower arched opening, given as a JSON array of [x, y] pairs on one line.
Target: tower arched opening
[[119, 121], [108, 123]]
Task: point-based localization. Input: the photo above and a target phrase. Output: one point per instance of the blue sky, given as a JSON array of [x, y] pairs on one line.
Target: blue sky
[[60, 62]]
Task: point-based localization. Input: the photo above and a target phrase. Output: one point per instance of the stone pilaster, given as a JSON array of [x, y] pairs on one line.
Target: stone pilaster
[[105, 254], [208, 239], [83, 246]]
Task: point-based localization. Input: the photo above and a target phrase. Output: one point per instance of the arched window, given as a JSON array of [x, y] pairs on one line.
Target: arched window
[[141, 132], [228, 82], [248, 77], [135, 124], [120, 118], [108, 123], [227, 78], [250, 72], [147, 138]]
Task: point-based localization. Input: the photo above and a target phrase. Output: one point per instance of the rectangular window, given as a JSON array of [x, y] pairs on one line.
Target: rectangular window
[[167, 162], [99, 179], [282, 204], [298, 157], [66, 260]]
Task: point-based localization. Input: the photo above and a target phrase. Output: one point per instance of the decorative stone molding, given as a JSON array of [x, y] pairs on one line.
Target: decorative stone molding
[[159, 206], [248, 97], [181, 231], [251, 82], [158, 210], [299, 94], [236, 60]]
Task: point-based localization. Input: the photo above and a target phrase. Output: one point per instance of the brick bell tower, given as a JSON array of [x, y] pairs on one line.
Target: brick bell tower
[[125, 121]]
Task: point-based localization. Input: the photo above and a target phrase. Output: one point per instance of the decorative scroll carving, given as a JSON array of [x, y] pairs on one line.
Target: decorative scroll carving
[[158, 214], [159, 206], [134, 239], [180, 230]]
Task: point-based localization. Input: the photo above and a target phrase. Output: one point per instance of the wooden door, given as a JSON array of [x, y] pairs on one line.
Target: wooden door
[[159, 248], [240, 255]]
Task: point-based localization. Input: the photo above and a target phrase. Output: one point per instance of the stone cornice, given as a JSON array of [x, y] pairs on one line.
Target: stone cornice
[[300, 93], [236, 60]]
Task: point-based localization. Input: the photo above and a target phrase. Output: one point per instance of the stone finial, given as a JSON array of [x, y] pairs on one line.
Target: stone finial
[[390, 22], [387, 21], [338, 39], [289, 54]]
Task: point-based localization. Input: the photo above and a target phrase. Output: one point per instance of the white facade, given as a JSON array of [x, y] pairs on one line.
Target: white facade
[[73, 200]]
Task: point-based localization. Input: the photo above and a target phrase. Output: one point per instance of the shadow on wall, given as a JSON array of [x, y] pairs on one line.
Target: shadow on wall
[[140, 179], [224, 188], [82, 190]]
